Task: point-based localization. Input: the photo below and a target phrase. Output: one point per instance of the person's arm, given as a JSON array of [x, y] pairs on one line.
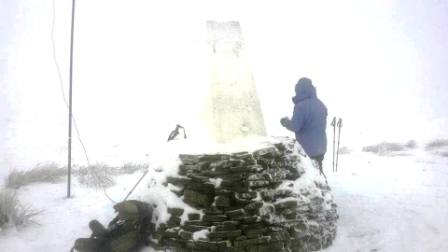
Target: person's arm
[[296, 122]]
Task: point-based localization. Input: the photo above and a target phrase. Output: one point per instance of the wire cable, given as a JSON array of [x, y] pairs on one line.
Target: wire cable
[[61, 82]]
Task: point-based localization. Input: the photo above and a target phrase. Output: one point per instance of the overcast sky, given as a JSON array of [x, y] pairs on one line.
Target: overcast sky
[[378, 64]]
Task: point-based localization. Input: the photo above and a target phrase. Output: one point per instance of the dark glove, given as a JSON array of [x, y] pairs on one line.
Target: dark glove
[[294, 100], [284, 121]]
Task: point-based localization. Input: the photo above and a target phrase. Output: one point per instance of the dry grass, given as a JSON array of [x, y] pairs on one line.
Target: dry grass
[[12, 213], [49, 173], [96, 176]]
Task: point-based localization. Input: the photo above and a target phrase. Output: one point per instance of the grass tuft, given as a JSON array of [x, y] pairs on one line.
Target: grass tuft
[[96, 176], [12, 213], [411, 144], [344, 150], [384, 148], [436, 144], [443, 154], [48, 173], [129, 168]]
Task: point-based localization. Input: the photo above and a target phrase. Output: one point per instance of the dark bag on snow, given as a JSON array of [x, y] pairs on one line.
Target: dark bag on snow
[[127, 232]]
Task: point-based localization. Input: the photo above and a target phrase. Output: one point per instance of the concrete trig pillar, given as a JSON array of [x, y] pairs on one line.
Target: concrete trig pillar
[[235, 108]]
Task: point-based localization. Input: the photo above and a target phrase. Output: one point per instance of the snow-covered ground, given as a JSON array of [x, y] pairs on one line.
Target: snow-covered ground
[[391, 203], [386, 203]]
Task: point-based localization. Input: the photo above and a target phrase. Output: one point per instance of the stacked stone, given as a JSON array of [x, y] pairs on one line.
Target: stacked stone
[[243, 208]]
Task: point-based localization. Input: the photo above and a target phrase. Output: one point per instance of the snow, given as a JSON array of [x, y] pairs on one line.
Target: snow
[[216, 182], [385, 203], [201, 234], [391, 203]]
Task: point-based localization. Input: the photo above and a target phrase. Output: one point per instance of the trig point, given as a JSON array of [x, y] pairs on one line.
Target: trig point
[[234, 110]]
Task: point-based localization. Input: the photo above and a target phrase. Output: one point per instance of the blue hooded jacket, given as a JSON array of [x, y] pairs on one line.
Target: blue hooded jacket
[[309, 119]]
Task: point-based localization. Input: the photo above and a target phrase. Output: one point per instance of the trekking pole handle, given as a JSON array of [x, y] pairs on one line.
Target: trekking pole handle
[[339, 124], [333, 122]]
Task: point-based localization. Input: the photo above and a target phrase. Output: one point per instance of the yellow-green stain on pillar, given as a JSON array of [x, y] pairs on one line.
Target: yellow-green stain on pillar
[[235, 111]]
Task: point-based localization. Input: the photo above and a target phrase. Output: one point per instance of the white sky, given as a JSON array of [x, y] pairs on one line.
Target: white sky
[[140, 68]]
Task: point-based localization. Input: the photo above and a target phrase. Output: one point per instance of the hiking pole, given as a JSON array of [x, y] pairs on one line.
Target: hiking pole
[[333, 124], [339, 125], [133, 188]]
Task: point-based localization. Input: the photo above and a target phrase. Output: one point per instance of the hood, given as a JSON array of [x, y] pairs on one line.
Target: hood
[[304, 90]]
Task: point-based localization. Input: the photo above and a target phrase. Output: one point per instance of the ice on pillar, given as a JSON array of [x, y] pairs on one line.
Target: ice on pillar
[[234, 106]]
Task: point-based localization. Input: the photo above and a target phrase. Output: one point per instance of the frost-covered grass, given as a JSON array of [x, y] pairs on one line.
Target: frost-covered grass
[[437, 147], [443, 154], [130, 167], [102, 175], [12, 212], [388, 148], [49, 173], [436, 144], [344, 150], [411, 144], [440, 153], [96, 176]]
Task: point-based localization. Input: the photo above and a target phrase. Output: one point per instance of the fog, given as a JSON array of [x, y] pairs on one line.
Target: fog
[[140, 68]]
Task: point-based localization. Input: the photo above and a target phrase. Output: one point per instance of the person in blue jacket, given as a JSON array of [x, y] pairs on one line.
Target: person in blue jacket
[[309, 121]]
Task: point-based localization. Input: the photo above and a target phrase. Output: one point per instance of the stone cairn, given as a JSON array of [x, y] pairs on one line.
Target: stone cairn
[[243, 207]]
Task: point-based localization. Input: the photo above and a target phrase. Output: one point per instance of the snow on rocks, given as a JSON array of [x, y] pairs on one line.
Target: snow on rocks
[[273, 198]]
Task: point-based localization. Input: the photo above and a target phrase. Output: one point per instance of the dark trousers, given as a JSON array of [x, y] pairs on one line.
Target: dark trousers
[[319, 160]]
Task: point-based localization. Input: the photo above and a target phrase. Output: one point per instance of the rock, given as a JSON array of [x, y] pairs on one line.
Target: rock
[[197, 199], [173, 221], [214, 218], [194, 216], [253, 206], [186, 235], [176, 211], [194, 228], [235, 214], [285, 204], [225, 234], [222, 201], [269, 152]]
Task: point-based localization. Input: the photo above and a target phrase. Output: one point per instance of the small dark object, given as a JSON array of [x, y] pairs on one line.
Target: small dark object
[[175, 133]]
